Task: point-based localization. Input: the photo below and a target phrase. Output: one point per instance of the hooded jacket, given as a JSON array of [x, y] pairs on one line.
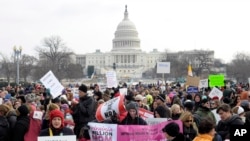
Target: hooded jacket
[[223, 127]]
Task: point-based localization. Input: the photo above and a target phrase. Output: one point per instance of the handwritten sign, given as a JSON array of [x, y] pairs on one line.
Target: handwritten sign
[[215, 92], [111, 79], [203, 83], [51, 82]]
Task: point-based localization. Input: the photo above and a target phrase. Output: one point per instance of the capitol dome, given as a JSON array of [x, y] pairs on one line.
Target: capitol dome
[[126, 35]]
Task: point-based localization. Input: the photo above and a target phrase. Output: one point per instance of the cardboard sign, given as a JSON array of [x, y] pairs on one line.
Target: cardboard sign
[[163, 67], [216, 92], [193, 81], [57, 138], [203, 83], [216, 80], [50, 81]]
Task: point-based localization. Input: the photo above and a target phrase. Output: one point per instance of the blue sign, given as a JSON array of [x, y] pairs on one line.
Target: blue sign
[[192, 89]]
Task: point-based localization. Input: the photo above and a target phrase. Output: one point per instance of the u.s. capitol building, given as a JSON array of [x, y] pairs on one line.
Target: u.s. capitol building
[[126, 54]]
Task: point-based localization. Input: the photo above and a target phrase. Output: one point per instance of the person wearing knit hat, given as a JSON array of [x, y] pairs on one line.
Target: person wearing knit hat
[[160, 100], [133, 117], [83, 112], [56, 125], [22, 123], [172, 132]]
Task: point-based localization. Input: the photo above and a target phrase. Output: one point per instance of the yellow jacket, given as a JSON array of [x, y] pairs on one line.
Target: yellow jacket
[[203, 137]]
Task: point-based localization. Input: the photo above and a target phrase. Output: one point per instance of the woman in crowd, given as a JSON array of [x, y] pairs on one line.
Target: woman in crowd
[[133, 117], [56, 127], [190, 129], [176, 111], [46, 120]]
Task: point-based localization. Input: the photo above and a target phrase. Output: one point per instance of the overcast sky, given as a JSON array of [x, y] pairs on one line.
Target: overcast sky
[[87, 25]]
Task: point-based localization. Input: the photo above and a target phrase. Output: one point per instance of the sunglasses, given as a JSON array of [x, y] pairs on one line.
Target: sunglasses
[[189, 121], [137, 100]]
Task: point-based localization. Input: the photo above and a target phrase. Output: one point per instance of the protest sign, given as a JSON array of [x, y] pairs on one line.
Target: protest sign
[[111, 79], [215, 92], [57, 138], [102, 132], [145, 113], [153, 121], [203, 83], [216, 80], [123, 91], [144, 133], [50, 82], [192, 89], [193, 81], [105, 110], [163, 67]]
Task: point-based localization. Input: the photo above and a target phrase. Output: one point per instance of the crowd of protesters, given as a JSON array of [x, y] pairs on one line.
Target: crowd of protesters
[[29, 112]]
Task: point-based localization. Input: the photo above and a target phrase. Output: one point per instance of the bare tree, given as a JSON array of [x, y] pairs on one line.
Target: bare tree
[[239, 67], [54, 55], [27, 64], [7, 67]]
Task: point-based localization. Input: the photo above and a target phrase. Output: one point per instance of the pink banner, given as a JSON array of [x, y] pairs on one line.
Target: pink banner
[[146, 133]]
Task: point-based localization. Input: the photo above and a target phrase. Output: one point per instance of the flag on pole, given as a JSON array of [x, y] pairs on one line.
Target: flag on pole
[[190, 73]]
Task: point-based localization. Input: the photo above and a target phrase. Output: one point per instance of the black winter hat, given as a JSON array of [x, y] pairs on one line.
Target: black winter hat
[[22, 98], [162, 97], [172, 129], [189, 104], [23, 110], [83, 88]]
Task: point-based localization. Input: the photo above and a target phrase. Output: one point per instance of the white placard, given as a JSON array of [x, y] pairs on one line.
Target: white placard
[[51, 82], [1, 101], [57, 138], [123, 91], [38, 115], [215, 92], [203, 83], [163, 67], [102, 132], [111, 79], [153, 121]]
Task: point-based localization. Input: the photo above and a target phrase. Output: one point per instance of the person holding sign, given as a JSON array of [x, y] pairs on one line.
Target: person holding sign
[[56, 127]]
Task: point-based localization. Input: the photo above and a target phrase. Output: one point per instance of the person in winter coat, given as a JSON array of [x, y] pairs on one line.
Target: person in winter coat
[[206, 130], [204, 110], [227, 120], [83, 112], [4, 125], [133, 117], [22, 123], [56, 127], [172, 132], [190, 129], [160, 112]]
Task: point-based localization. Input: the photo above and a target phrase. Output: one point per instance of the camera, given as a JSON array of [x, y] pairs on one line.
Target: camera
[[110, 113]]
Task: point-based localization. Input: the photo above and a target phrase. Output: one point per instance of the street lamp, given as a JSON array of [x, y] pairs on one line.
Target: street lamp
[[17, 55]]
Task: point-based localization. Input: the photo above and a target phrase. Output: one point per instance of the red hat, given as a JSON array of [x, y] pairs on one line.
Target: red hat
[[215, 98], [56, 113]]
